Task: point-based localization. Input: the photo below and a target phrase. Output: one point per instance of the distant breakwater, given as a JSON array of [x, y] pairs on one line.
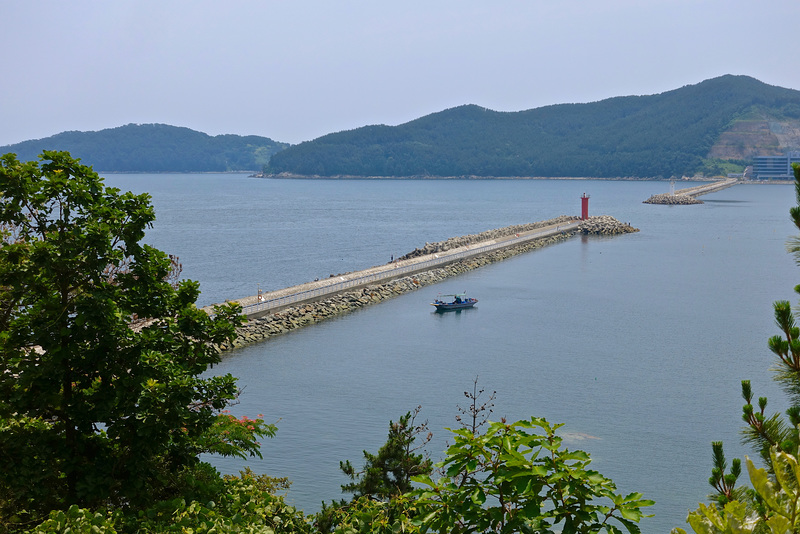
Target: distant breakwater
[[291, 318], [672, 200], [688, 196]]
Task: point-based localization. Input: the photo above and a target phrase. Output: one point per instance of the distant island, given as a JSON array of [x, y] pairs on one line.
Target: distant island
[[713, 128], [156, 148]]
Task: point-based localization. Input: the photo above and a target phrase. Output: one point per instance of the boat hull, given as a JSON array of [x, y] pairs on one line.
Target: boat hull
[[448, 306]]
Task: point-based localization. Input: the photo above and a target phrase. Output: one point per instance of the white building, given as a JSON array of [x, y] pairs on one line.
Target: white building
[[775, 167]]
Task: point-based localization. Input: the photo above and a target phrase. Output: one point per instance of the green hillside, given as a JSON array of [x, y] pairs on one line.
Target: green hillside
[[661, 135], [713, 127], [155, 148]]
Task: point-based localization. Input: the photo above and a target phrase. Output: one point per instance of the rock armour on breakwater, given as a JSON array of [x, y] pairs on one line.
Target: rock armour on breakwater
[[307, 314], [689, 195], [605, 225], [676, 200], [462, 241]]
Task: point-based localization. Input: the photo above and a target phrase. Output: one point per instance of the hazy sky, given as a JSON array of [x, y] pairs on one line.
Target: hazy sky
[[293, 70]]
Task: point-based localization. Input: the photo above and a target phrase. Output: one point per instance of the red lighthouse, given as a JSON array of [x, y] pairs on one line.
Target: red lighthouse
[[584, 207]]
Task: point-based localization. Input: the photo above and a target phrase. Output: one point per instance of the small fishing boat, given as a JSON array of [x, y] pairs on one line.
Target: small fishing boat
[[459, 302]]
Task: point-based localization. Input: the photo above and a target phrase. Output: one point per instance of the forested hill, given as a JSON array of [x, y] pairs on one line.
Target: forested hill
[[697, 128], [155, 148]]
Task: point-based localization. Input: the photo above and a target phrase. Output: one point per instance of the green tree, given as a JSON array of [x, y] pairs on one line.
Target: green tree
[[512, 478], [368, 516], [242, 505], [518, 478], [385, 479], [389, 472], [97, 408]]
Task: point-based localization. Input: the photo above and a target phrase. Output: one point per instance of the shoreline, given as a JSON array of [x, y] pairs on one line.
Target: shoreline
[[285, 176], [290, 176]]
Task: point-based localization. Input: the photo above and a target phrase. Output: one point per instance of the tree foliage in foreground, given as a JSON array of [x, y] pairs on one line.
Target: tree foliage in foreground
[[99, 407], [518, 478], [386, 475], [242, 505], [389, 472], [511, 478], [772, 505]]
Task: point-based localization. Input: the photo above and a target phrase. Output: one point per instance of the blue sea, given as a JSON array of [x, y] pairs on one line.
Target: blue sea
[[637, 343]]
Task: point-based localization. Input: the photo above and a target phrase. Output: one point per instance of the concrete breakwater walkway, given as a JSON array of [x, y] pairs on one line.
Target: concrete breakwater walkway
[[433, 255], [281, 311], [690, 194]]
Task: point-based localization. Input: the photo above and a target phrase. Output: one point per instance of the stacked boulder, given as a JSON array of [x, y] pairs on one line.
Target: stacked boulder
[[462, 241], [605, 225], [677, 200]]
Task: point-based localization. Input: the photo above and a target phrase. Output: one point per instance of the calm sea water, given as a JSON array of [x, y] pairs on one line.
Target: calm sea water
[[638, 343]]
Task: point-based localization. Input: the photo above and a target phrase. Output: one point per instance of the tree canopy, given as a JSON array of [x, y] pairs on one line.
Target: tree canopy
[[101, 398], [389, 472]]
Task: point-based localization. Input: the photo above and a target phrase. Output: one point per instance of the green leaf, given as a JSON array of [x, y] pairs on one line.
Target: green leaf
[[705, 521], [539, 470], [779, 524], [764, 487], [630, 513], [631, 526]]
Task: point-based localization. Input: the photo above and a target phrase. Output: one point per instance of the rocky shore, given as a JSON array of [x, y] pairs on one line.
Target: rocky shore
[[307, 314], [677, 200], [605, 225]]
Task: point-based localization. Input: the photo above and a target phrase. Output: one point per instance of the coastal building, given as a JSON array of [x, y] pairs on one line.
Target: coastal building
[[775, 167]]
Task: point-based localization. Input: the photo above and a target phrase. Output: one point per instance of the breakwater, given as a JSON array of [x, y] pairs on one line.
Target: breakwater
[[261, 327], [433, 255], [689, 195], [489, 235], [672, 200]]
